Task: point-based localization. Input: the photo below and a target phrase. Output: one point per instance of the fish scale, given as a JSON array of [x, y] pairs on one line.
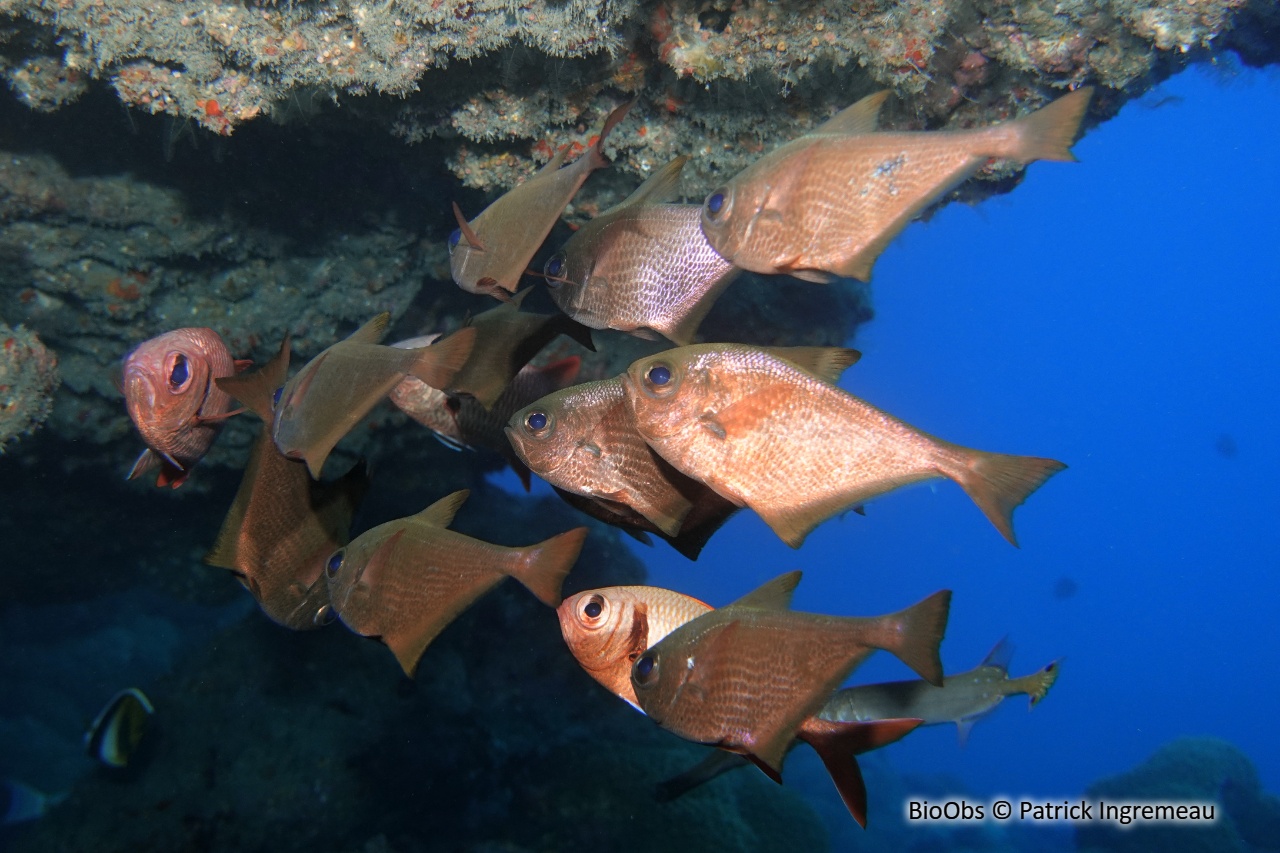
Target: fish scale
[[642, 266]]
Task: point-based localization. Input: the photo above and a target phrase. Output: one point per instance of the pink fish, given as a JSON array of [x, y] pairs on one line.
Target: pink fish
[[172, 399]]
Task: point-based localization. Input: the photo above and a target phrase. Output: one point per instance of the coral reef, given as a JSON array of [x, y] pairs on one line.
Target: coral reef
[[1203, 769], [28, 378], [506, 83]]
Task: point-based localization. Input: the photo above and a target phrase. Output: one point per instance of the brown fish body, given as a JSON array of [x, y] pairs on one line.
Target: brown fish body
[[747, 677], [338, 387], [490, 254], [172, 399], [583, 440], [282, 525], [608, 629], [796, 449], [827, 204], [462, 423], [406, 580], [280, 531], [507, 339], [642, 266]]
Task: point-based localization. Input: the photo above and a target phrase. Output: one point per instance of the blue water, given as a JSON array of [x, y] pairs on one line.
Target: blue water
[[1118, 314]]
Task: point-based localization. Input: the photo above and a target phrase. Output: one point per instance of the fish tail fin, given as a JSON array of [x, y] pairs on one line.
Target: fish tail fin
[[598, 160], [1037, 684], [1047, 133], [548, 563], [999, 482], [914, 635], [437, 364], [715, 764], [838, 743]]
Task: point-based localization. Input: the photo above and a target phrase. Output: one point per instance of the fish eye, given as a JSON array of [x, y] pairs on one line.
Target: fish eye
[[645, 670], [275, 398], [554, 269], [323, 616], [715, 203], [454, 238], [335, 563], [592, 610], [659, 376], [537, 421], [180, 373]]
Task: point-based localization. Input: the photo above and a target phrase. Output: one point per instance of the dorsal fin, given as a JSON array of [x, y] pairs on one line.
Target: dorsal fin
[[372, 331], [772, 595], [468, 233], [441, 513], [1000, 655], [826, 363], [861, 117], [658, 188]]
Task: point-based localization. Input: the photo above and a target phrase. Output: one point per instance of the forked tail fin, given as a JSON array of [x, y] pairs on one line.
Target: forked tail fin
[[548, 563], [915, 634], [998, 483], [1037, 684], [1047, 133], [437, 364]]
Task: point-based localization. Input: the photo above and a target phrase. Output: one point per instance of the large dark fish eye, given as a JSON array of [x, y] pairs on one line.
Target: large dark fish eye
[[659, 376], [324, 615], [645, 670], [454, 238], [335, 563], [715, 203], [275, 398], [554, 269], [594, 607], [180, 373], [536, 421]]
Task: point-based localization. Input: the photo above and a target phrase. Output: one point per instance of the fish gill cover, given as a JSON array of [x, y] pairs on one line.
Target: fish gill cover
[[286, 167]]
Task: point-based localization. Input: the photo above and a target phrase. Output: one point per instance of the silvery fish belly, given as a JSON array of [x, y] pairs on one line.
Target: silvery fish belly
[[638, 268], [766, 434]]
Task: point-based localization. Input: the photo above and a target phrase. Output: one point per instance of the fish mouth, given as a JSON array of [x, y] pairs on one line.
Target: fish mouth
[[139, 392]]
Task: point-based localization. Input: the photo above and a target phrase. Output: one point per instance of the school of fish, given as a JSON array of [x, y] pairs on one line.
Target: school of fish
[[672, 447]]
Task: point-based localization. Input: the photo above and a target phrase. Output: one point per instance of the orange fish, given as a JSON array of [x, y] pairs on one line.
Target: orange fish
[[607, 630], [490, 253], [642, 266], [751, 678], [405, 581], [333, 391], [283, 526], [461, 423], [827, 204], [584, 440], [172, 399], [796, 449]]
